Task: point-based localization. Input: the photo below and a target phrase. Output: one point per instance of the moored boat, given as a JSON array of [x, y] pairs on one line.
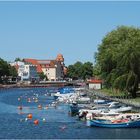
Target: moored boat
[[114, 121], [83, 100], [100, 101], [125, 123], [74, 109], [64, 92]]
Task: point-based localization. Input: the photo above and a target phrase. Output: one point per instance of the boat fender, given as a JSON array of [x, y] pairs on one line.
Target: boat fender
[[30, 116], [39, 106], [36, 122], [20, 107], [44, 120], [26, 119]]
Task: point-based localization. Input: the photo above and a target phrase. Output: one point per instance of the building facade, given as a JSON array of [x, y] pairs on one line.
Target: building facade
[[53, 69], [26, 72], [95, 84]]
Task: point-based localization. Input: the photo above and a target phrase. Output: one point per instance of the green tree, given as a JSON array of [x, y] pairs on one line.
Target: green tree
[[119, 59], [18, 59], [97, 71], [87, 70], [42, 76], [80, 71], [71, 71], [5, 71], [13, 71], [4, 68]]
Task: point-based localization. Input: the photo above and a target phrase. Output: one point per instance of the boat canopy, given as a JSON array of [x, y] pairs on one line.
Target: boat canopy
[[66, 90]]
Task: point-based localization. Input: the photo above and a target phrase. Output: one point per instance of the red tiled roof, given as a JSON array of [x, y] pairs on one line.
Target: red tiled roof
[[47, 63], [95, 81], [34, 62], [42, 63]]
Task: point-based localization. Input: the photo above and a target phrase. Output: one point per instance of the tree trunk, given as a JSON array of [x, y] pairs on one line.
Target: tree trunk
[[134, 95]]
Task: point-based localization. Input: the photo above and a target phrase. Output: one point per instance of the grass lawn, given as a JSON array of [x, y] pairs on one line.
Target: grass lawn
[[110, 92], [136, 100]]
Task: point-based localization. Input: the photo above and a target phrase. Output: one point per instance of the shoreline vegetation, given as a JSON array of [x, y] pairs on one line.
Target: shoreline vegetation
[[118, 60], [120, 95], [128, 100]]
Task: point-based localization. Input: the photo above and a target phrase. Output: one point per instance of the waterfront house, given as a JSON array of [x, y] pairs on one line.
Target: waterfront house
[[53, 69], [26, 72], [95, 84]]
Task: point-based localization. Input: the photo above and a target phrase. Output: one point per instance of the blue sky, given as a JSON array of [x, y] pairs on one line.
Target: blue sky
[[41, 30]]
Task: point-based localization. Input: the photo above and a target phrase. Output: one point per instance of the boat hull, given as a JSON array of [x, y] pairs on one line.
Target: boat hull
[[74, 110], [100, 123]]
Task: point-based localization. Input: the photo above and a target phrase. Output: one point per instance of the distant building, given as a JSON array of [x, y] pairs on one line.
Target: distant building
[[53, 69], [26, 72], [95, 84]]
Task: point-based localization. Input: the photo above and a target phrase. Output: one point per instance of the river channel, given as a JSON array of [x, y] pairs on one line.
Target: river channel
[[54, 122]]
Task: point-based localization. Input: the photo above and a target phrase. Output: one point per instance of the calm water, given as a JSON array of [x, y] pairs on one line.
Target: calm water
[[14, 126]]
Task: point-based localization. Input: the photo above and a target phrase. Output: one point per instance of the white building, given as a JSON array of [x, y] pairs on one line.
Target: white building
[[95, 84], [26, 72], [53, 69]]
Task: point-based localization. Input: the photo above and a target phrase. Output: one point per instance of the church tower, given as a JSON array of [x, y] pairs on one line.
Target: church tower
[[60, 58]]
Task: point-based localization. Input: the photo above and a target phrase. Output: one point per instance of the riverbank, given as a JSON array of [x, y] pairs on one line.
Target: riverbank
[[41, 84], [32, 85], [129, 102]]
